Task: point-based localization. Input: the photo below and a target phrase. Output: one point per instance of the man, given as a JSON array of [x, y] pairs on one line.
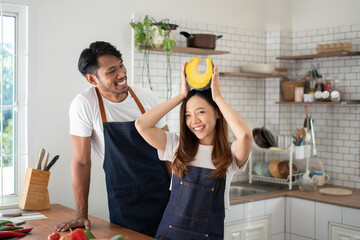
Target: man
[[102, 121]]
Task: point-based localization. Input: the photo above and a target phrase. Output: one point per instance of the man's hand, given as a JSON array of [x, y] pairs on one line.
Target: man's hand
[[78, 221]]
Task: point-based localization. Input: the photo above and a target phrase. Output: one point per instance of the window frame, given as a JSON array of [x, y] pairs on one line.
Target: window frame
[[20, 104]]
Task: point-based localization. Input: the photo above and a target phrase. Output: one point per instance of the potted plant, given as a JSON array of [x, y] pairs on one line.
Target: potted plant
[[149, 34]]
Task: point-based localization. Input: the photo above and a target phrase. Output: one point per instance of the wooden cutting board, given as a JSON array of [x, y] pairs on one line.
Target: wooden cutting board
[[336, 191]]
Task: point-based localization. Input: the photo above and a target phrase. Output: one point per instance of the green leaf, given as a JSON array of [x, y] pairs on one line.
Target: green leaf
[[160, 31]]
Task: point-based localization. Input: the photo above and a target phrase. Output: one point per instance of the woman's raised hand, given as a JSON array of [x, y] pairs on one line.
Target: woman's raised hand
[[215, 84], [184, 87]]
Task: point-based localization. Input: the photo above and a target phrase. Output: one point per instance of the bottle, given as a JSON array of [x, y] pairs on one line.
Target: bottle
[[328, 83], [319, 86], [312, 83]]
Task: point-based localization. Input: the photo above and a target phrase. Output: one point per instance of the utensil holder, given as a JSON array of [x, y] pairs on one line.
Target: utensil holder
[[300, 152], [35, 195]]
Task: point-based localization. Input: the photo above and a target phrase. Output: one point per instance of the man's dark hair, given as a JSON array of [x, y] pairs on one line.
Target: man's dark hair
[[88, 58]]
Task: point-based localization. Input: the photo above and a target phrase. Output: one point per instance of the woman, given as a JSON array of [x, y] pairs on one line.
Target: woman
[[203, 160]]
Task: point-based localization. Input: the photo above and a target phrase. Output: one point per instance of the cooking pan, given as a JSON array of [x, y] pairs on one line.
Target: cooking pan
[[269, 138], [259, 140], [201, 40]]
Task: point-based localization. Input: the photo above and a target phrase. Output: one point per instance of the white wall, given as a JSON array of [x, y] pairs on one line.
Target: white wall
[[313, 14], [59, 30]]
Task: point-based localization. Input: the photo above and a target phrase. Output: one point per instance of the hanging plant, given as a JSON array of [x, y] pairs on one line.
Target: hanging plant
[[149, 34]]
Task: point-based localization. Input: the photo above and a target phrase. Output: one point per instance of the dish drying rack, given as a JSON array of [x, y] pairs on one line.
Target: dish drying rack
[[289, 181]]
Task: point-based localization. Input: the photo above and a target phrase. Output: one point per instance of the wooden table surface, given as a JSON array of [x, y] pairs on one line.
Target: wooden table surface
[[58, 213]]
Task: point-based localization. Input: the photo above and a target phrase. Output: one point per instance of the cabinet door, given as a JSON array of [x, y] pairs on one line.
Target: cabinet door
[[248, 230], [343, 232]]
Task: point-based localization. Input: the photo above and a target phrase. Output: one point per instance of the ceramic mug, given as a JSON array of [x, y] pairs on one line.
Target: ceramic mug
[[321, 178]]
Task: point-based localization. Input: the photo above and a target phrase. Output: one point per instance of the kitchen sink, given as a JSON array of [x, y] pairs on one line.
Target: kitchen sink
[[245, 189]]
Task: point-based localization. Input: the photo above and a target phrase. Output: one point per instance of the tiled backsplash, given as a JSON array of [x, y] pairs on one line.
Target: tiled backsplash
[[337, 128]]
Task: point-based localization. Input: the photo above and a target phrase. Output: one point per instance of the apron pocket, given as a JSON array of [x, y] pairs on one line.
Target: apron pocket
[[178, 233], [194, 201]]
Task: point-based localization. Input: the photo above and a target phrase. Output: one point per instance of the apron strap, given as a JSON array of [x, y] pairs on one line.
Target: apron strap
[[101, 103], [142, 110]]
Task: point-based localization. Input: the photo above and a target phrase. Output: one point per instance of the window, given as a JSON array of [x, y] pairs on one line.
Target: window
[[13, 100]]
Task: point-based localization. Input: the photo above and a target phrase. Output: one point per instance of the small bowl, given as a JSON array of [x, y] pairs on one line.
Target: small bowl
[[258, 170], [274, 169], [258, 68], [265, 169], [284, 169]]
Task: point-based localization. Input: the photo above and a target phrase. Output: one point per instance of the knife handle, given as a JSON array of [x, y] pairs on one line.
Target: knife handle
[[41, 156], [16, 214], [46, 160], [53, 161]]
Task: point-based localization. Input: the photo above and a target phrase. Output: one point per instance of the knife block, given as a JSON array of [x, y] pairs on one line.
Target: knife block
[[35, 195]]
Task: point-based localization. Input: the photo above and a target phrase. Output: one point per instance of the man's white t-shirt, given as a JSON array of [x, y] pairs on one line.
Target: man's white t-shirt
[[85, 117], [202, 159]]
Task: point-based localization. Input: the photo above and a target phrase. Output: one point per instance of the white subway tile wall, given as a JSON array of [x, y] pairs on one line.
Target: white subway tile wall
[[337, 128]]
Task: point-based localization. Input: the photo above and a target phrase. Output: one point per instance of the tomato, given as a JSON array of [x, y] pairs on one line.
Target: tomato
[[54, 236]]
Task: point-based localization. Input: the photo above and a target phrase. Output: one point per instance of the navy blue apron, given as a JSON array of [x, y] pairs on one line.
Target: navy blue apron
[[196, 207], [136, 180]]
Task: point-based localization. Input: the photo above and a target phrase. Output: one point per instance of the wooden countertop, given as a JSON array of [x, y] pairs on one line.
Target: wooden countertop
[[352, 201], [59, 213]]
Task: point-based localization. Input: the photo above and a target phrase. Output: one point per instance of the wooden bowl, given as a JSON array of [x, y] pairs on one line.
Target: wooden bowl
[[274, 169], [284, 169]]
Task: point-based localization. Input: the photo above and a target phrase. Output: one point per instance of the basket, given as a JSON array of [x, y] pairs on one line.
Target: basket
[[288, 88], [333, 47]]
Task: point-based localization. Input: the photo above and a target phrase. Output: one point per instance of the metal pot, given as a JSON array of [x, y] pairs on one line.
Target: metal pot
[[201, 40]]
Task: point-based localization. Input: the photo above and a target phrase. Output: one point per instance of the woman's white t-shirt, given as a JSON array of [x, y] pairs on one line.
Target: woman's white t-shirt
[[203, 160]]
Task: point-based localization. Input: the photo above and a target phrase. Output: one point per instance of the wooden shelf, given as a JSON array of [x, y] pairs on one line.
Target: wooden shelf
[[320, 103], [321, 55], [251, 75], [188, 50]]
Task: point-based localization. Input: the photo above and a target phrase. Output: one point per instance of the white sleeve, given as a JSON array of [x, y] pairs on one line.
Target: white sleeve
[[234, 167], [80, 117], [172, 143]]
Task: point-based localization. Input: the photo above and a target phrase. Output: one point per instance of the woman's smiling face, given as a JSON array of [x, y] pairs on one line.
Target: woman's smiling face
[[200, 118]]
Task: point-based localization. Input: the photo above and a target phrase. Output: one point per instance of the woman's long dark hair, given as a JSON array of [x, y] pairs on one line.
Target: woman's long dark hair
[[188, 145]]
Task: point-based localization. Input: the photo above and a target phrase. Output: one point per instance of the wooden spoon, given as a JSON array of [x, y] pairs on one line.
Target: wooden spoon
[[307, 116], [303, 133]]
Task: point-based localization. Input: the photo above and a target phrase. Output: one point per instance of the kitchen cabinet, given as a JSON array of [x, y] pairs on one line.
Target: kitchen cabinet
[[343, 232], [313, 219], [249, 212], [257, 229], [190, 50]]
